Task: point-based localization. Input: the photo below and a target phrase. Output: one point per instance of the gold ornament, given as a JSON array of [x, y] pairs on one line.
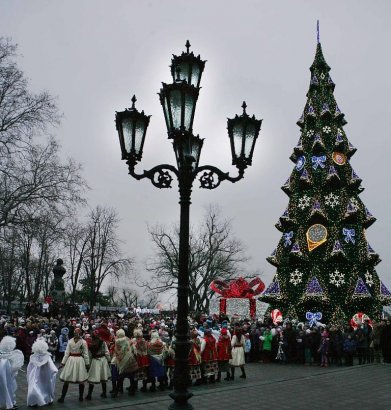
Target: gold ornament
[[339, 158], [316, 235]]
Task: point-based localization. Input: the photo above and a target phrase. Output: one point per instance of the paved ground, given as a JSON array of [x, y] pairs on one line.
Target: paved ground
[[268, 386]]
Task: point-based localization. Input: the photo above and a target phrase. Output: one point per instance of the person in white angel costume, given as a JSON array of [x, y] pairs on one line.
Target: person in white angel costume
[[41, 375], [11, 360]]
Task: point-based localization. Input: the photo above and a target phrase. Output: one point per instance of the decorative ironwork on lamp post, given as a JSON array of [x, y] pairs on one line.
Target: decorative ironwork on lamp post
[[179, 101]]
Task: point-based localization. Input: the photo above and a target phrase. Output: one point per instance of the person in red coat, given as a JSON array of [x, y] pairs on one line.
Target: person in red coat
[[224, 354], [209, 366]]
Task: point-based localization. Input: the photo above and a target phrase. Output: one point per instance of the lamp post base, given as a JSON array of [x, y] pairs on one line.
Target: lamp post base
[[180, 401]]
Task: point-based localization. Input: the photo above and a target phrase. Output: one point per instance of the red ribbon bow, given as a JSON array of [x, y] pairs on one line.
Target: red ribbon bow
[[238, 288]]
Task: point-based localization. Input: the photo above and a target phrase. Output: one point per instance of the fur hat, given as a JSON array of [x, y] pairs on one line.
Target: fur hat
[[40, 346], [137, 333], [120, 333], [64, 331], [7, 344]]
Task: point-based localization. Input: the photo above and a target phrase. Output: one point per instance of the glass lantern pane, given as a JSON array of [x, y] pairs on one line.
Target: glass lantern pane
[[238, 139], [189, 106], [139, 135], [127, 129], [176, 104], [184, 72], [250, 135], [195, 153], [166, 112], [195, 75]]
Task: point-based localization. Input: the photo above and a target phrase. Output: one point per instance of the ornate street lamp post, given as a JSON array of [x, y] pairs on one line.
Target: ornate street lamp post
[[179, 101]]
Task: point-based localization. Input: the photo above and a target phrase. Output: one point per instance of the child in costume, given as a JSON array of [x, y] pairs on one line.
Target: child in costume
[[41, 376], [11, 360]]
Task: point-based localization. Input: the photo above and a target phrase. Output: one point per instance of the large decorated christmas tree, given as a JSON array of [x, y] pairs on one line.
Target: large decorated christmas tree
[[324, 261]]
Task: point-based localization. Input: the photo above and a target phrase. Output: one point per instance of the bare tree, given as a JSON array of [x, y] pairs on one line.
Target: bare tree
[[75, 243], [21, 112], [214, 253], [39, 241], [103, 257], [11, 275], [36, 178]]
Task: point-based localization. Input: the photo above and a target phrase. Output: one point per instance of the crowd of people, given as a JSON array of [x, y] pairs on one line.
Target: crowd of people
[[140, 348]]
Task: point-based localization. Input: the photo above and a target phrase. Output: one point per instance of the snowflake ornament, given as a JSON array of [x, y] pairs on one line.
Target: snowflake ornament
[[369, 279], [326, 129], [322, 76], [332, 200], [337, 278], [304, 202], [296, 277], [310, 133]]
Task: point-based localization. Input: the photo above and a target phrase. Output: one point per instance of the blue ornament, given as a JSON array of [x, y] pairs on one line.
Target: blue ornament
[[383, 290], [349, 235], [332, 172], [296, 248], [304, 175], [337, 111], [316, 206], [355, 177], [273, 289], [368, 214], [318, 161], [313, 288], [313, 318], [310, 110], [314, 80], [370, 250], [300, 163], [299, 145], [339, 138], [361, 289], [351, 208], [325, 109], [318, 138], [287, 238]]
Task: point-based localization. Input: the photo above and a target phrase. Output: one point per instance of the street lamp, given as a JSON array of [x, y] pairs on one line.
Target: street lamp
[[179, 101]]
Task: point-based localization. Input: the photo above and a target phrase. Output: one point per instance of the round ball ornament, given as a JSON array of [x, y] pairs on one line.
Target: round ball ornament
[[276, 316], [300, 163], [339, 158], [358, 319], [316, 235]]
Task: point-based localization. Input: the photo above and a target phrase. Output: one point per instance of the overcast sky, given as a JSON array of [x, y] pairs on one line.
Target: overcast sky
[[94, 55]]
